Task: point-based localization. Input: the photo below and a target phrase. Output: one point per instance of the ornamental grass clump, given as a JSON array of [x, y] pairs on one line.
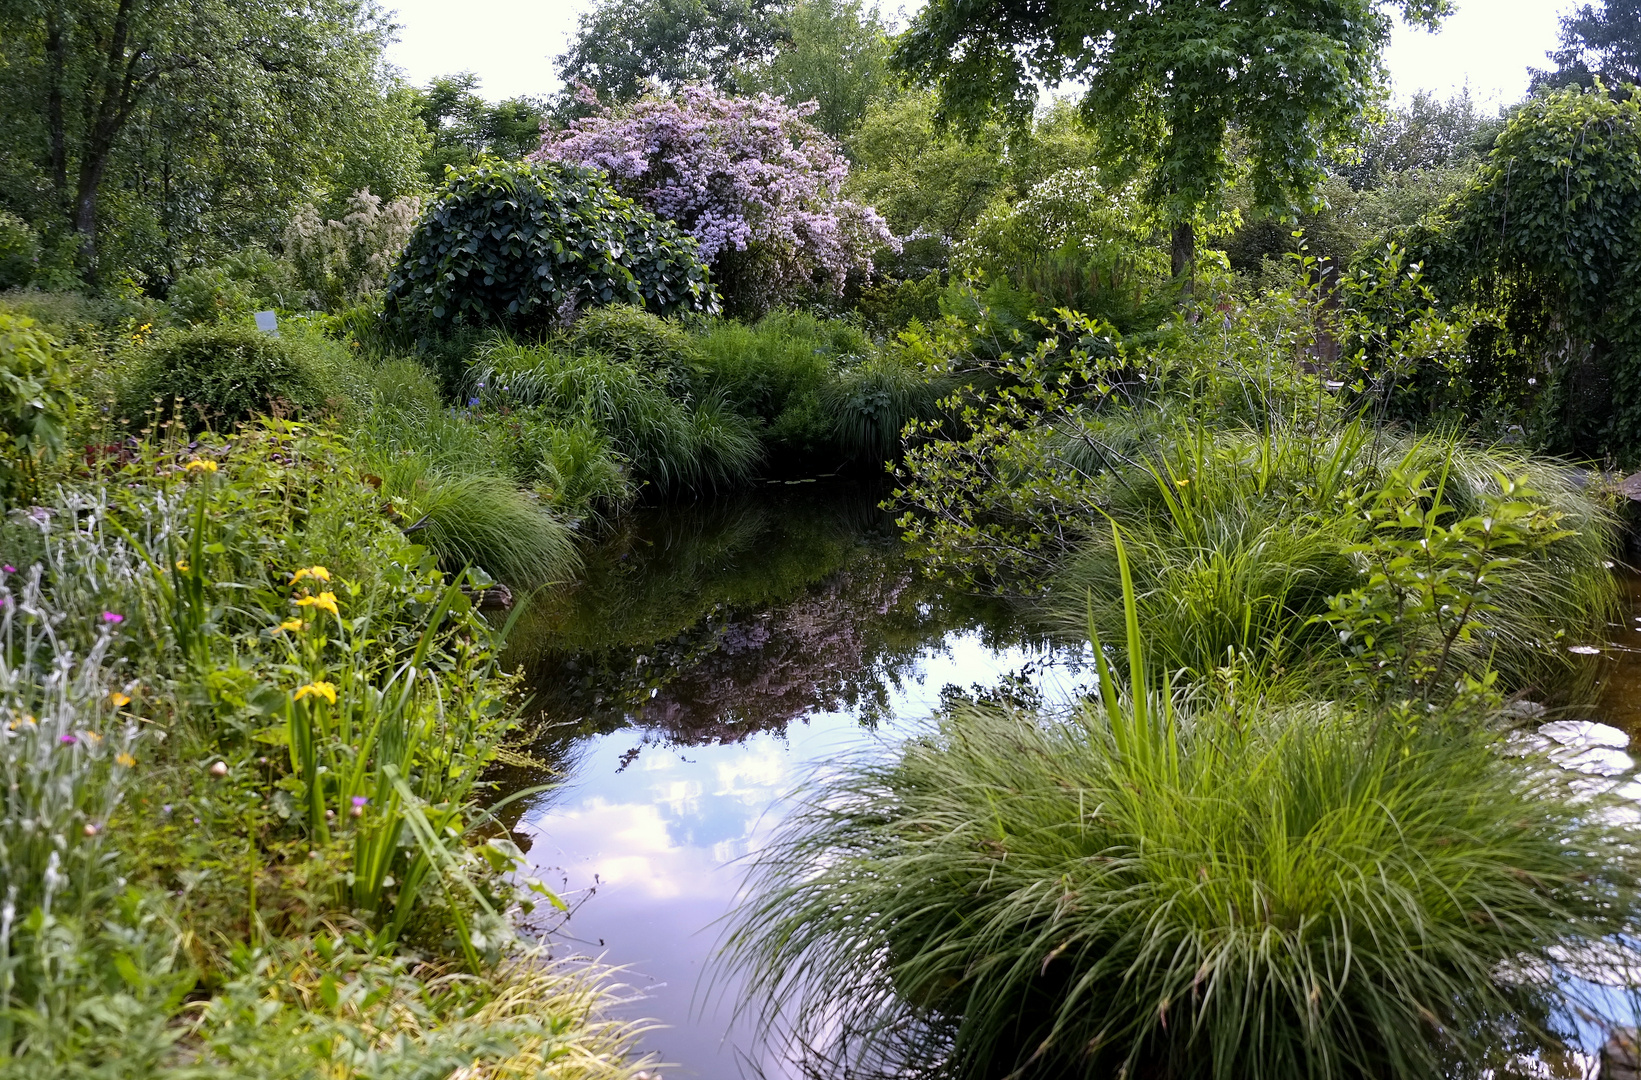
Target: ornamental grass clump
[[672, 442], [1163, 885]]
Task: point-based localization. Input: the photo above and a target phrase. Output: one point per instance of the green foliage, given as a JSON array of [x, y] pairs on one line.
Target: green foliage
[[36, 404], [216, 376], [247, 281], [836, 54], [1542, 245], [140, 137], [779, 370], [1598, 42], [19, 251], [620, 46], [1167, 83], [525, 246], [483, 520], [671, 444], [1153, 884], [466, 128]]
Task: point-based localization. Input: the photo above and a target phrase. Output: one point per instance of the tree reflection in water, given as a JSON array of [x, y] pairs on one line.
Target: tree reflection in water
[[705, 624]]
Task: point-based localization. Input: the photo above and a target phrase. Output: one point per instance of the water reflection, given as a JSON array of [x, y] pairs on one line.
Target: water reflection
[[716, 658]]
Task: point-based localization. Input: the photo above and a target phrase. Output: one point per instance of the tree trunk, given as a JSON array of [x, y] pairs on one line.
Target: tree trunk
[[57, 153], [1185, 256]]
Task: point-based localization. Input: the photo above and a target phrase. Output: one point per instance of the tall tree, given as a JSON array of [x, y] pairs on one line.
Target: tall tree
[[836, 54], [465, 127], [620, 45], [1597, 42], [1168, 80], [166, 102]]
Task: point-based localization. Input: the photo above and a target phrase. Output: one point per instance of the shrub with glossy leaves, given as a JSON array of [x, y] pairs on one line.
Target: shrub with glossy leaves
[[526, 246], [755, 182]]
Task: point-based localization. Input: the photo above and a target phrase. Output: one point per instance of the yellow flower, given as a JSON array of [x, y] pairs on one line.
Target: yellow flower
[[93, 738], [318, 573], [318, 689], [1181, 483], [325, 601], [182, 565], [200, 465], [122, 758], [120, 700], [289, 624]]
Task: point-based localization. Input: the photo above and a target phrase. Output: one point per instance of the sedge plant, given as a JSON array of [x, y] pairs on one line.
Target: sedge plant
[[1164, 883]]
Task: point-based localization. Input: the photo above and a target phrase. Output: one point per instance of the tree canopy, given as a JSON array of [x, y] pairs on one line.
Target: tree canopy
[[620, 45], [1597, 42], [1168, 80], [200, 119]]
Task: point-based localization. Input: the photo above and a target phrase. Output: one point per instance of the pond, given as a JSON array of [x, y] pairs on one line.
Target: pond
[[714, 657]]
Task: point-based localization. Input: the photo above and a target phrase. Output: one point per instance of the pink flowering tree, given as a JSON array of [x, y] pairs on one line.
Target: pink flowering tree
[[754, 183]]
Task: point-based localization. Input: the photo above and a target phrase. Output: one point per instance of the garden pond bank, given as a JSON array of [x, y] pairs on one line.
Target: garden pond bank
[[717, 655]]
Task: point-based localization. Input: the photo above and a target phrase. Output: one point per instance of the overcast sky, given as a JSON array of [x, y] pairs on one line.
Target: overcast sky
[[1488, 45]]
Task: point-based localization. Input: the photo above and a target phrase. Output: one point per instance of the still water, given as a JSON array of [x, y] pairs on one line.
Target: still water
[[715, 658]]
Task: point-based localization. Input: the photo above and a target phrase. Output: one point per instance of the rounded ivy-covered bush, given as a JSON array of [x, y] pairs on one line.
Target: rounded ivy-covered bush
[[216, 376], [526, 246]]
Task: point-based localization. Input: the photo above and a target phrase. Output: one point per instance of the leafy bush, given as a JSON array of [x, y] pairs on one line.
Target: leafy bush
[[35, 404], [19, 251], [526, 246], [1156, 886], [216, 376], [1542, 242], [632, 336], [750, 179], [231, 290], [345, 263], [670, 443]]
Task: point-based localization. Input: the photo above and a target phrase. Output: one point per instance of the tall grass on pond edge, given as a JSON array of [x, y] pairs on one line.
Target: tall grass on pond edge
[[1168, 884]]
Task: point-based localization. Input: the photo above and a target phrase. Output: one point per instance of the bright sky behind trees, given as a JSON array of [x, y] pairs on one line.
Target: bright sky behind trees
[[510, 44]]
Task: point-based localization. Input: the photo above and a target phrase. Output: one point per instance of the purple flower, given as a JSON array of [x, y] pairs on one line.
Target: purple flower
[[113, 617], [9, 569], [360, 800], [68, 740], [733, 172]]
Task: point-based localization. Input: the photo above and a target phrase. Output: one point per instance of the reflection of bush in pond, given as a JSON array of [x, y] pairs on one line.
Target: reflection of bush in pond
[[708, 624]]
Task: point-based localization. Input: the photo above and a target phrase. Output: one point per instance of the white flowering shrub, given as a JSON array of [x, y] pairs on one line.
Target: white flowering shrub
[[344, 263]]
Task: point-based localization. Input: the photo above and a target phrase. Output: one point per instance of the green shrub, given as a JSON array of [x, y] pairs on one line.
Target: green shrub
[[1241, 540], [670, 444], [633, 336], [524, 246], [780, 370], [36, 404], [873, 401], [232, 289], [1151, 886], [216, 376], [19, 251]]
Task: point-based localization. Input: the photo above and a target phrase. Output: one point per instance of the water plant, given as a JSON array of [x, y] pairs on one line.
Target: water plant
[[1156, 882]]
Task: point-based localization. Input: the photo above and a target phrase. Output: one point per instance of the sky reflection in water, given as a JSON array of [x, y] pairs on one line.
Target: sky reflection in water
[[678, 764]]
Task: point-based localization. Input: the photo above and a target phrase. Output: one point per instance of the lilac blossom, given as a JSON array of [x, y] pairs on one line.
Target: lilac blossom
[[737, 174]]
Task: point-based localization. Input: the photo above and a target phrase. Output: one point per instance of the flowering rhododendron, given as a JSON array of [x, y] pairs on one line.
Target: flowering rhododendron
[[754, 183]]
